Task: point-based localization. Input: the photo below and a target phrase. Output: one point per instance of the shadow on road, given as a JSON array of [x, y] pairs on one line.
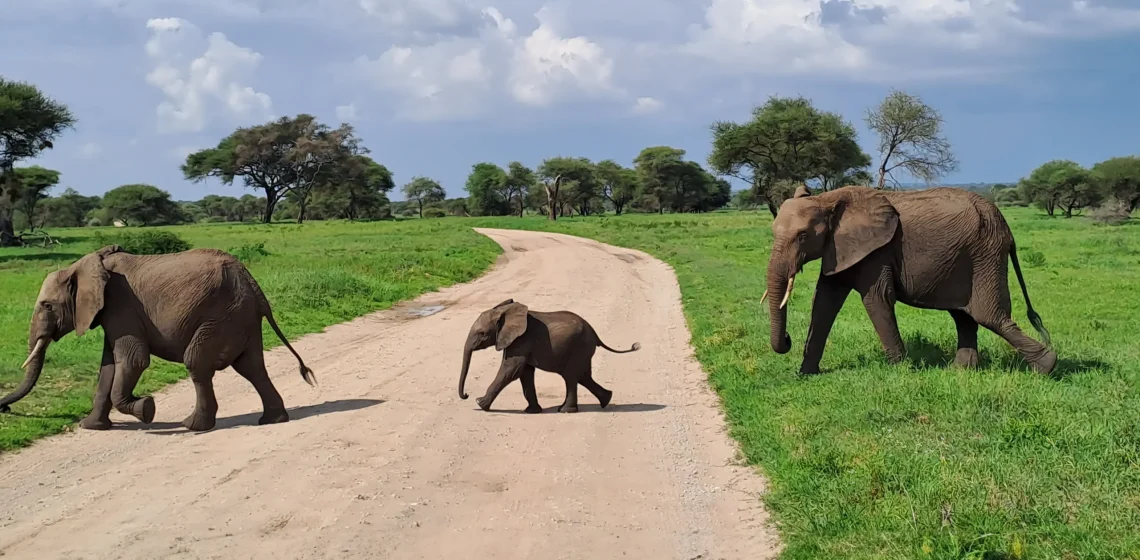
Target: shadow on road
[[632, 407], [251, 418]]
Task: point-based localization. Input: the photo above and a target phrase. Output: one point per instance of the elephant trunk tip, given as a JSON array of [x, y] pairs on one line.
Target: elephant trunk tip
[[463, 395]]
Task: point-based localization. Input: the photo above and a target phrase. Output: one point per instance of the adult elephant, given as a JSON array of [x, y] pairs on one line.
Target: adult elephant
[[941, 248], [201, 308]]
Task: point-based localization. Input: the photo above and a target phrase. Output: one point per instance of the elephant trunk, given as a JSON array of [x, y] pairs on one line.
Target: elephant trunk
[[779, 290], [467, 349], [33, 367]]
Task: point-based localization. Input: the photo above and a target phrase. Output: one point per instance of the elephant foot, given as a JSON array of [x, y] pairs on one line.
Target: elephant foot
[[533, 409], [1046, 364], [809, 369], [568, 409], [483, 403], [95, 423], [274, 417], [605, 397], [966, 358], [143, 409], [5, 409], [199, 422]]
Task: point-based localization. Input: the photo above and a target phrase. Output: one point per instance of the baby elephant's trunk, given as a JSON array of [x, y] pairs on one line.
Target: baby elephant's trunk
[[466, 365]]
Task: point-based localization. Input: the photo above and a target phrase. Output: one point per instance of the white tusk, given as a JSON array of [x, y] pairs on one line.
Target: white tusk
[[788, 293], [763, 296], [36, 350]]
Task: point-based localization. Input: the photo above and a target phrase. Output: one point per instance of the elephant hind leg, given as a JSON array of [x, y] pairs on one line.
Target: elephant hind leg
[[201, 357], [991, 309], [967, 354], [601, 393], [251, 365]]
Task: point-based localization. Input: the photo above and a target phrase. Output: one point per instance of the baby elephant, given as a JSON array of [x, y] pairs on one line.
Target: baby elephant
[[558, 341]]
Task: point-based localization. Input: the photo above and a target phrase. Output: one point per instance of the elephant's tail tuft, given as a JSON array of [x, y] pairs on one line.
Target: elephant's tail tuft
[[1034, 318], [636, 346], [267, 312]]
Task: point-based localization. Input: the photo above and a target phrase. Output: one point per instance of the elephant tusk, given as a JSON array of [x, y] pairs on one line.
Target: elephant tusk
[[36, 350], [763, 296], [788, 292]]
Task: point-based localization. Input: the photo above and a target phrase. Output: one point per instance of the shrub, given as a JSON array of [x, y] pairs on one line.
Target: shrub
[[149, 242], [1114, 212], [407, 212], [434, 212], [1033, 258], [249, 252]]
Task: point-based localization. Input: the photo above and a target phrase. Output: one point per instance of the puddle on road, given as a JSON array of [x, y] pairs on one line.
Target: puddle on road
[[425, 311]]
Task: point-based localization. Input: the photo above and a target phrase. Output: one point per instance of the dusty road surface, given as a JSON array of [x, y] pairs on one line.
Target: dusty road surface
[[384, 460]]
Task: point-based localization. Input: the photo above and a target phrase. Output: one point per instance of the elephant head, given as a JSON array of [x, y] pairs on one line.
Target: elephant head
[[501, 325], [69, 299], [840, 227]]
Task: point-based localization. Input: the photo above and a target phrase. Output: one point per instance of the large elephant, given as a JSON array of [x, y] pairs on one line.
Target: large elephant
[[941, 248], [201, 308], [558, 341]]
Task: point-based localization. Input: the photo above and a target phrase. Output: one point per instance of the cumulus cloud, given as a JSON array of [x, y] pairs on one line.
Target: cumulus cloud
[[646, 105], [865, 38], [458, 76], [201, 75]]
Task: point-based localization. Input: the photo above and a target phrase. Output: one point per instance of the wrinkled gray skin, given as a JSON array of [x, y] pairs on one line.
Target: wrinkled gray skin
[[560, 342], [941, 248], [201, 308]]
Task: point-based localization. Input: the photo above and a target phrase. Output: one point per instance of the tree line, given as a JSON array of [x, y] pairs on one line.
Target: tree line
[[305, 169]]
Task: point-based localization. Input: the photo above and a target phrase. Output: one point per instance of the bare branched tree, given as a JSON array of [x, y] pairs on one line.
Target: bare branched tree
[[910, 139]]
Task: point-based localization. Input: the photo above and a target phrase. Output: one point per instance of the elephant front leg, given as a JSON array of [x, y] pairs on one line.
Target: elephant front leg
[[100, 417], [830, 295], [132, 357], [967, 354], [880, 305], [529, 391], [509, 370]]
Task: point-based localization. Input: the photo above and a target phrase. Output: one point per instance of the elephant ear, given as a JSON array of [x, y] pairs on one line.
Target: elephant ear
[[89, 278], [802, 191], [512, 324], [861, 223]]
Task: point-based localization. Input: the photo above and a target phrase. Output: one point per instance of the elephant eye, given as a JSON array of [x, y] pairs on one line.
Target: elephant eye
[[802, 236], [47, 306]]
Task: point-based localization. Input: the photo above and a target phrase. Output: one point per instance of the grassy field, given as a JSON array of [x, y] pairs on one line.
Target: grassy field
[[315, 275], [865, 461]]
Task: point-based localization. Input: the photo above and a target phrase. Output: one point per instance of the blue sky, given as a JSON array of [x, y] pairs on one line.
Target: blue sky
[[434, 86]]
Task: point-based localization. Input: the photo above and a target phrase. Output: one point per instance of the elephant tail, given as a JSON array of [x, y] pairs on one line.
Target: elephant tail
[[636, 346], [263, 306], [1034, 318]]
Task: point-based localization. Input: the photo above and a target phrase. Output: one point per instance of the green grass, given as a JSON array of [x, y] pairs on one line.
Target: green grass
[[315, 275], [918, 460], [867, 460]]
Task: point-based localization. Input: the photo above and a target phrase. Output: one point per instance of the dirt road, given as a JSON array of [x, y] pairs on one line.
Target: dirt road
[[384, 461]]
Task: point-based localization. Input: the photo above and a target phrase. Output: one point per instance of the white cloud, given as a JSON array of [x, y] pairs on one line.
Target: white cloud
[[346, 113], [89, 150], [458, 76], [646, 105], [197, 74]]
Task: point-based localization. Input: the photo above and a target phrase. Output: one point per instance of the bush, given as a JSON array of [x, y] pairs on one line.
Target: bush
[[407, 212], [434, 212], [1114, 212], [149, 242], [249, 252]]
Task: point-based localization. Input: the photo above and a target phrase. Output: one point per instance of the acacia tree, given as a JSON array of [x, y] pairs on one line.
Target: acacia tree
[[1120, 177], [1061, 184], [568, 181], [288, 156], [619, 184], [424, 191], [30, 122], [31, 185], [142, 205], [520, 180], [357, 188], [910, 139], [787, 139], [485, 186], [672, 182]]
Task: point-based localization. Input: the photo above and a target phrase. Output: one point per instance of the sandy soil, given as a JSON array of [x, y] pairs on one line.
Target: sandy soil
[[384, 461]]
